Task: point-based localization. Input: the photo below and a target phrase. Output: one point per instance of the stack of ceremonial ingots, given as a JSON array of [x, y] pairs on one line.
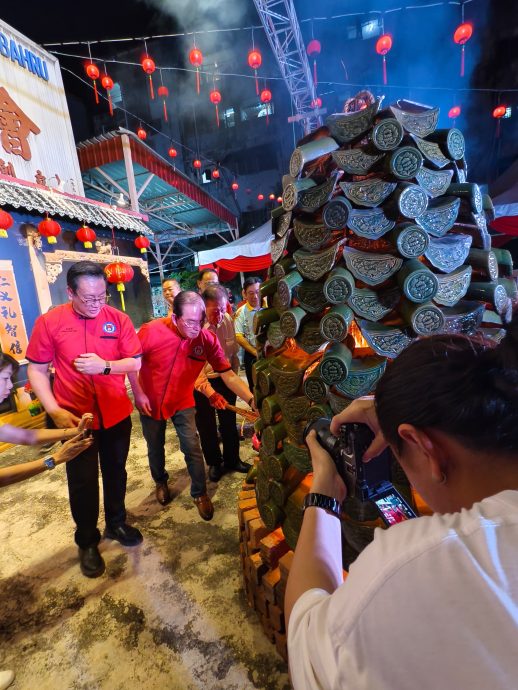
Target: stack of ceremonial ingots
[[380, 239]]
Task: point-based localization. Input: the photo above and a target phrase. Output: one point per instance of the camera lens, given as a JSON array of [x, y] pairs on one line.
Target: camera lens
[[326, 439]]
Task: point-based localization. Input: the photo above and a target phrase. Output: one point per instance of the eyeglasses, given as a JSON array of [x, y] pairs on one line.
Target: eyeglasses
[[91, 301], [192, 324]]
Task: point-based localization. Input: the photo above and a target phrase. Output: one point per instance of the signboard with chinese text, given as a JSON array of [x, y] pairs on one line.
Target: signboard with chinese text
[[36, 139], [13, 334]]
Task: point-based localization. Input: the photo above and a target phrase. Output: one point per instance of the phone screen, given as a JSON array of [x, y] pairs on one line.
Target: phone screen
[[393, 508]]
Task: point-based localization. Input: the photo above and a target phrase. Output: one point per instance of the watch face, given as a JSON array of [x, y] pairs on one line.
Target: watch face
[[49, 463]]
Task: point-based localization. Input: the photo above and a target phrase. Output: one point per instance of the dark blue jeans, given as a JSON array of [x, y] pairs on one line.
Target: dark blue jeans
[[185, 425]]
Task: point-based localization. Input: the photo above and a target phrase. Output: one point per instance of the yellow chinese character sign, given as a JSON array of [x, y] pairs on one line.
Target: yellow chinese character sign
[[13, 334]]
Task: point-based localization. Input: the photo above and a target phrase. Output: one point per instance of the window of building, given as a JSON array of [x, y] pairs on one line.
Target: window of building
[[229, 117], [255, 111]]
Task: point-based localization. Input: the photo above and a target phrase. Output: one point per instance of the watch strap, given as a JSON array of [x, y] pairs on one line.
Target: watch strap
[[49, 462], [107, 368], [327, 503]]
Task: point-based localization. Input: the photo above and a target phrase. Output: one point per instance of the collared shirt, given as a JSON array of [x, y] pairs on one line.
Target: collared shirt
[[226, 335], [171, 364], [61, 335], [244, 323]]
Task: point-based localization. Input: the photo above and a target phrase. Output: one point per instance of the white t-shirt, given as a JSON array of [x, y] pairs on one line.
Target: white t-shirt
[[430, 604]]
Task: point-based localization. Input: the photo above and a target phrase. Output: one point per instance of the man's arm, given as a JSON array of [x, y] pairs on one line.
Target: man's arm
[[39, 379], [90, 364], [202, 385], [245, 344], [141, 400], [238, 386]]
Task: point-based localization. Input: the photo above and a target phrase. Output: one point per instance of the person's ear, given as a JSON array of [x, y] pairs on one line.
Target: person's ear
[[70, 293], [428, 447]]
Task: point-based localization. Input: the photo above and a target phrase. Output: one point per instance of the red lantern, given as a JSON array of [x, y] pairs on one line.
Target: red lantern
[[148, 65], [86, 236], [196, 60], [215, 174], [107, 83], [499, 112], [314, 48], [271, 197], [141, 133], [260, 197], [254, 60], [234, 186], [196, 163], [142, 243], [49, 229], [6, 220], [461, 36], [93, 72], [172, 152], [163, 92], [383, 46], [266, 97], [316, 103], [454, 112], [279, 199], [119, 273], [215, 97]]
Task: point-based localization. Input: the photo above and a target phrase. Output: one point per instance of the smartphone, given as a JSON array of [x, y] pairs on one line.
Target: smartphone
[[392, 507]]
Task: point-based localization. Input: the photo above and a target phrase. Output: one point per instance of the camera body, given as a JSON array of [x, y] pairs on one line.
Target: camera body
[[367, 481]]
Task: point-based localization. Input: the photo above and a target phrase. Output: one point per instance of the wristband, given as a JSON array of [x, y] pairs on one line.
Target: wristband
[[330, 505]]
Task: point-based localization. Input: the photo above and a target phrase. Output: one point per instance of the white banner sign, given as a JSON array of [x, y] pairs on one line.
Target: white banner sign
[[36, 139]]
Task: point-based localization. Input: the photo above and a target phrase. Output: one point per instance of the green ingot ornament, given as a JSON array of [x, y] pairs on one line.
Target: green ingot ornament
[[283, 267], [262, 485], [287, 373], [276, 304], [309, 337], [431, 151], [468, 191], [488, 207], [504, 259], [421, 123], [451, 142], [294, 409], [275, 335], [268, 287], [485, 262], [409, 200], [387, 341], [434, 182], [291, 529], [272, 437], [314, 197], [309, 152], [448, 253], [417, 282], [370, 192], [276, 465], [424, 319], [481, 239], [364, 374], [334, 365], [286, 286], [337, 401], [372, 305], [258, 366], [319, 410], [355, 161], [311, 235], [386, 135], [315, 388], [314, 265], [295, 430], [370, 223], [291, 321], [510, 287], [334, 325], [293, 191], [453, 286], [338, 285], [281, 221], [465, 317], [492, 292], [372, 269], [440, 215], [311, 296], [297, 455], [262, 318], [264, 381], [404, 163], [270, 409], [410, 240], [271, 514], [278, 246], [335, 213], [346, 127]]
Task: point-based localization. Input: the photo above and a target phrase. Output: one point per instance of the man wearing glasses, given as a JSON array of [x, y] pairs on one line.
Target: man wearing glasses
[[92, 347], [174, 351]]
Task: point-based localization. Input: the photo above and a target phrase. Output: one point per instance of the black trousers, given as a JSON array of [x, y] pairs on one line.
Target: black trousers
[[208, 427], [110, 448], [248, 360]]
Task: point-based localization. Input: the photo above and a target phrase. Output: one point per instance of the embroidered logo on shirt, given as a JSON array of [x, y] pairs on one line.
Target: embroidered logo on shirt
[[198, 350], [109, 327]]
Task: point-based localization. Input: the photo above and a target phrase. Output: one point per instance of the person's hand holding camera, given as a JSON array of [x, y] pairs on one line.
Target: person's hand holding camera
[[362, 411], [326, 479]]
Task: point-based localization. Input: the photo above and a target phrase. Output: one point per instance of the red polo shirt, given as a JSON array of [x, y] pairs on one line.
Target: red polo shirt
[[171, 364], [61, 335]]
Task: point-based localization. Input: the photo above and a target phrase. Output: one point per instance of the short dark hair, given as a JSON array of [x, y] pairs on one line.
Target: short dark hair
[[8, 361], [252, 280], [187, 297], [206, 270], [84, 268], [215, 292], [170, 280]]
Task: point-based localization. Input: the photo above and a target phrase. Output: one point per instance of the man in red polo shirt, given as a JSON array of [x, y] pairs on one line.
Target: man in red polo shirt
[[174, 351], [92, 346]]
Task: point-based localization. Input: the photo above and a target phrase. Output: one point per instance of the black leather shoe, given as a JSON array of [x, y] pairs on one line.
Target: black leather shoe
[[215, 473], [240, 466], [124, 534], [162, 493], [91, 561]]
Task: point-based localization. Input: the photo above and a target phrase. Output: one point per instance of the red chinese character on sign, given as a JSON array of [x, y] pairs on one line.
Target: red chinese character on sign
[[15, 127]]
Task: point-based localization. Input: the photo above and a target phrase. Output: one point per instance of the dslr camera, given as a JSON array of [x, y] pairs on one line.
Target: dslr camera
[[367, 481]]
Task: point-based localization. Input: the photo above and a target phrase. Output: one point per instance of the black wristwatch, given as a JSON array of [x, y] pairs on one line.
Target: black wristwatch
[[107, 368], [49, 462], [330, 505]]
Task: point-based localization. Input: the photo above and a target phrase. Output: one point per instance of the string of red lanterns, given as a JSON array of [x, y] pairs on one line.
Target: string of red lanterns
[[86, 236], [255, 60], [461, 36], [6, 220], [196, 60], [148, 65], [163, 93], [313, 49], [142, 243], [92, 71], [215, 98], [383, 46], [50, 229], [107, 83]]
